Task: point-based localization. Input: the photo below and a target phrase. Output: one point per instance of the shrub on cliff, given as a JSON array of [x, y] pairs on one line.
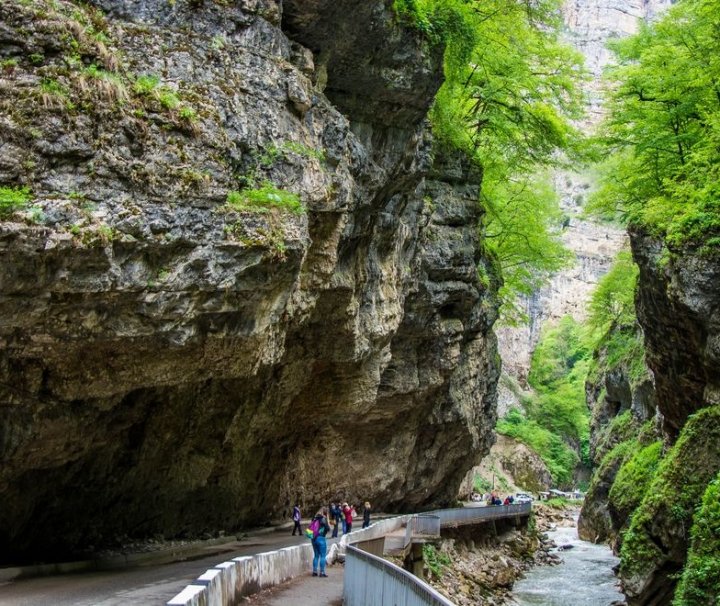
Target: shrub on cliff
[[12, 199], [657, 538], [700, 583]]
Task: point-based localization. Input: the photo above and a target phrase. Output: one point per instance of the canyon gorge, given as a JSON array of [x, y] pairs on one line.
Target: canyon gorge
[[243, 267]]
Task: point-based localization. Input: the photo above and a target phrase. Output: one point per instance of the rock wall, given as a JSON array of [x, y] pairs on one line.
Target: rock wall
[[620, 405], [678, 308], [172, 365]]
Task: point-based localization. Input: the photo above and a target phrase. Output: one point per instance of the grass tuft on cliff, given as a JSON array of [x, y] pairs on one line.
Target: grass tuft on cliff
[[13, 199], [264, 198]]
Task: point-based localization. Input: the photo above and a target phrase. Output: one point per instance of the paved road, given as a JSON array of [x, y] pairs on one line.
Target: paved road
[[146, 586]]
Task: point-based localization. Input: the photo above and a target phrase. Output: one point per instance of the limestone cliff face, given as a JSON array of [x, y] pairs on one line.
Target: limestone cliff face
[[678, 305], [172, 365]]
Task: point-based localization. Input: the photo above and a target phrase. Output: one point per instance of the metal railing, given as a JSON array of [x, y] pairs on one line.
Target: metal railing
[[473, 515], [422, 525], [372, 581]]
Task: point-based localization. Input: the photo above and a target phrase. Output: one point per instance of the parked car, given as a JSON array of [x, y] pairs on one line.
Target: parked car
[[522, 497]]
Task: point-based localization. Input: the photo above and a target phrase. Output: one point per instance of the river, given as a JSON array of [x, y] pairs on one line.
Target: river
[[584, 577]]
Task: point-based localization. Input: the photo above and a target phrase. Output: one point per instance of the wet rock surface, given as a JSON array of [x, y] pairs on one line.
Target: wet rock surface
[[171, 365]]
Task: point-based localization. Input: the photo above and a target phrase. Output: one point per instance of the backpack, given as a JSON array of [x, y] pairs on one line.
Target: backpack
[[313, 530]]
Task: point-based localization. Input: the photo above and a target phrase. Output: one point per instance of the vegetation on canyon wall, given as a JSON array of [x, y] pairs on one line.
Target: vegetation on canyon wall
[[664, 128], [675, 491], [554, 420], [660, 177], [508, 100], [700, 583]]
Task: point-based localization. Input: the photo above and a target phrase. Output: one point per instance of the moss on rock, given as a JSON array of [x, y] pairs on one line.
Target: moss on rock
[[632, 480], [700, 583], [654, 547]]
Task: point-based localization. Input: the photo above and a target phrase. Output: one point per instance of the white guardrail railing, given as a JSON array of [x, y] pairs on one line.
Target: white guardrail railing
[[422, 524], [372, 581]]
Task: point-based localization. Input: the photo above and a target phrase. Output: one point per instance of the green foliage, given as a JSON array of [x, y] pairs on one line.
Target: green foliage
[[557, 455], [622, 428], [265, 197], [674, 492], [435, 560], [480, 484], [150, 86], [612, 327], [613, 300], [560, 503], [109, 85], [700, 582], [633, 478], [556, 420], [508, 99], [13, 199], [146, 85], [663, 131], [522, 230]]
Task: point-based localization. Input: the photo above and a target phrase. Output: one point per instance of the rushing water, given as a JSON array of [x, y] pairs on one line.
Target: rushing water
[[584, 577]]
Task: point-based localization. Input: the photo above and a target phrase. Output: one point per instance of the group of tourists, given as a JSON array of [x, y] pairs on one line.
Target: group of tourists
[[328, 519], [494, 499], [491, 498]]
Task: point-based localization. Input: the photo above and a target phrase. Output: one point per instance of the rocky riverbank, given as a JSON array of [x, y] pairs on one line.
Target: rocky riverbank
[[472, 573]]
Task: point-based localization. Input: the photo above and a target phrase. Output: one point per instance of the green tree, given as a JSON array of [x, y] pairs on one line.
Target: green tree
[[522, 229], [663, 131], [508, 101]]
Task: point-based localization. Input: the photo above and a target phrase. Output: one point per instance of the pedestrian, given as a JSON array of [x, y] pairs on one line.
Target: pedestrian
[[296, 518], [335, 517], [319, 542], [348, 518], [366, 515]]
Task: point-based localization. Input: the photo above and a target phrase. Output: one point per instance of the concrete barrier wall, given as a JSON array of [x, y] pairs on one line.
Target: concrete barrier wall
[[228, 582]]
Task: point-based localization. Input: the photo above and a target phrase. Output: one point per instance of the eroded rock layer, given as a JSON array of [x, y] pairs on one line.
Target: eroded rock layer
[[171, 365]]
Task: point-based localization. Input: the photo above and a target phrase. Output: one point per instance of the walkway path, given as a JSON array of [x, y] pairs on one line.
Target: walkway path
[[149, 585], [305, 591]]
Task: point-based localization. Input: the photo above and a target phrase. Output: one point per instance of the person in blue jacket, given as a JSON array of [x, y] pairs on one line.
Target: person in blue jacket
[[319, 542]]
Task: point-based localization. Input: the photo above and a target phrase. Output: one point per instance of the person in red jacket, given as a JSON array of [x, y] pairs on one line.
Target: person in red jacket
[[348, 513]]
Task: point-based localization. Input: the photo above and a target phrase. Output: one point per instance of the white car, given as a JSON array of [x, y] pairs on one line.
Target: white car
[[522, 497]]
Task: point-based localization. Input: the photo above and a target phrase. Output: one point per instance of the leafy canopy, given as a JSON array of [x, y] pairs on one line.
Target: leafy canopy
[[508, 102], [663, 130]]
